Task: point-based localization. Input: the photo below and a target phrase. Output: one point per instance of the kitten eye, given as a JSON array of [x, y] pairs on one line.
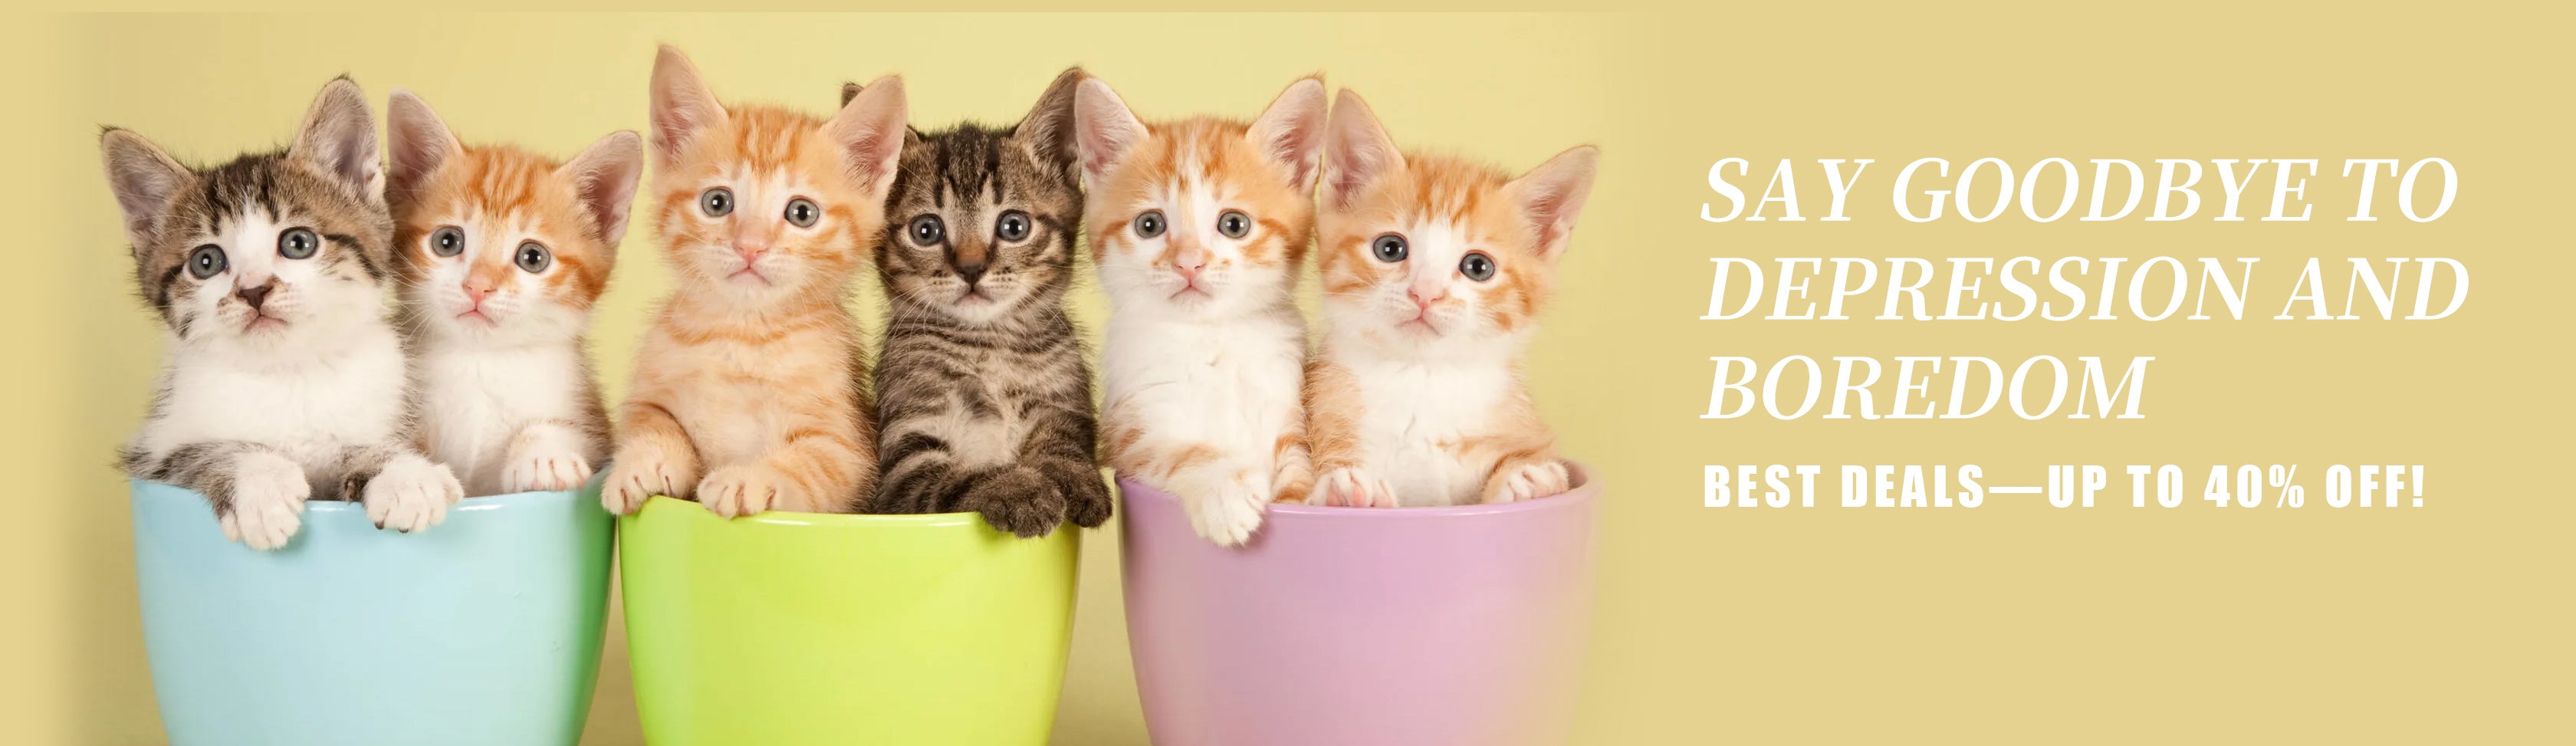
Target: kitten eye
[[534, 257], [1013, 227], [207, 261], [298, 243], [717, 202], [1477, 266], [927, 230], [1149, 224], [448, 241], [802, 213], [1234, 224], [1388, 248]]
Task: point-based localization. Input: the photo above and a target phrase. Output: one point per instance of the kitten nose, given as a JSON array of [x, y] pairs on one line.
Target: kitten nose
[[477, 292], [1424, 297], [255, 294], [971, 272], [750, 252], [1188, 260]]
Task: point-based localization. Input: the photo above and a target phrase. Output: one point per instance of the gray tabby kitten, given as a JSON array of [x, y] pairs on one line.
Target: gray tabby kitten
[[283, 378], [983, 397]]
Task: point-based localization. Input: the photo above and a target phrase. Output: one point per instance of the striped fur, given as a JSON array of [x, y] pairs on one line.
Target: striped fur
[[984, 399], [284, 380], [750, 389], [1415, 396]]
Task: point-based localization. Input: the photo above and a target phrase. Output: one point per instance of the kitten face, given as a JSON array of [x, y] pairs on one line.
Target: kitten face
[[270, 250], [1201, 218], [760, 204], [1434, 253], [498, 244], [982, 221]]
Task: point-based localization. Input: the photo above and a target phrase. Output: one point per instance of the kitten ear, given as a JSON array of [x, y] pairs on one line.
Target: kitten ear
[[1357, 151], [1103, 129], [340, 136], [849, 91], [871, 128], [143, 178], [417, 143], [1048, 129], [604, 177], [1291, 131], [1550, 195], [682, 104]]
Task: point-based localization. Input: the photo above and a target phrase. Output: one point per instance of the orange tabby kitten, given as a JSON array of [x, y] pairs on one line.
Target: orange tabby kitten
[[748, 389], [1434, 271]]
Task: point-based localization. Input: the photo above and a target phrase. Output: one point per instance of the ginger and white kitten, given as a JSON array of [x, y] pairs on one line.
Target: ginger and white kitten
[[283, 379], [750, 389], [503, 254], [1199, 227], [1434, 272]]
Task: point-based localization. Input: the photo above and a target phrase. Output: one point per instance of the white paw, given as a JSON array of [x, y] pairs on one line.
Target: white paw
[[1226, 514], [741, 489], [267, 502], [1353, 488], [636, 474], [411, 494], [1530, 482], [546, 458]]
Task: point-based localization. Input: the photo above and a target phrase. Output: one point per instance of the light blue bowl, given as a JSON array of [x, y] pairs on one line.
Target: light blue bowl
[[483, 630]]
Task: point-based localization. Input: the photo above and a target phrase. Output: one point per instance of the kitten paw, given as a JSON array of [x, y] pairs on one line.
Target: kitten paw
[[1348, 487], [742, 489], [267, 501], [1227, 515], [639, 473], [1528, 481], [1017, 500], [411, 494], [1088, 501], [544, 459]]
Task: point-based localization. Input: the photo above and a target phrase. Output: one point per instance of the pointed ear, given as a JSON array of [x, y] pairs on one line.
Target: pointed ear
[[604, 177], [340, 137], [1357, 151], [143, 178], [1103, 129], [416, 142], [871, 130], [1550, 195], [849, 91], [1291, 131], [1048, 129], [682, 105]]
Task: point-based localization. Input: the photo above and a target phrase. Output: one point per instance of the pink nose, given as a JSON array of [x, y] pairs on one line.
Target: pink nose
[[749, 252], [477, 293], [1422, 299]]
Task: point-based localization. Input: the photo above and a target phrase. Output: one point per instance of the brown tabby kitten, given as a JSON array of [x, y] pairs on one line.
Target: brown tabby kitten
[[984, 400]]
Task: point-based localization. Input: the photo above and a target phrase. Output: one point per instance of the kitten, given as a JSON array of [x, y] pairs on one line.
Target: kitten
[[1434, 270], [1198, 227], [283, 379], [750, 389], [984, 401], [503, 252]]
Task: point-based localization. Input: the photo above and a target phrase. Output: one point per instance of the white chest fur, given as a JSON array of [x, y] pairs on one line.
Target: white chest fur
[[476, 400], [1236, 384], [311, 407], [1413, 417]]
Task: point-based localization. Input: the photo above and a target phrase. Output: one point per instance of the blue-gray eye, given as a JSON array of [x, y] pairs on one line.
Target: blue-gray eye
[[448, 241], [717, 202], [207, 261], [534, 257], [298, 243], [927, 230], [1012, 227], [1389, 248], [1234, 224], [1149, 224], [802, 213], [1477, 266]]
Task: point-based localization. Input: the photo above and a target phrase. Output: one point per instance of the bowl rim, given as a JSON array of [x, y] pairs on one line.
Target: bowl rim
[[795, 519], [1585, 489], [481, 503]]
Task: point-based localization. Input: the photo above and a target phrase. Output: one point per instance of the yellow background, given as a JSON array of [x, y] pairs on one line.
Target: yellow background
[[2010, 623]]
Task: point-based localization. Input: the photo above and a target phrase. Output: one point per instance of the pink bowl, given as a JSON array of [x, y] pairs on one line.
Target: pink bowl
[[1361, 626]]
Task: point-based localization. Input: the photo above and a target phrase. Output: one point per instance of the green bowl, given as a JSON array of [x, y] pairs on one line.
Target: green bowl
[[801, 628]]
